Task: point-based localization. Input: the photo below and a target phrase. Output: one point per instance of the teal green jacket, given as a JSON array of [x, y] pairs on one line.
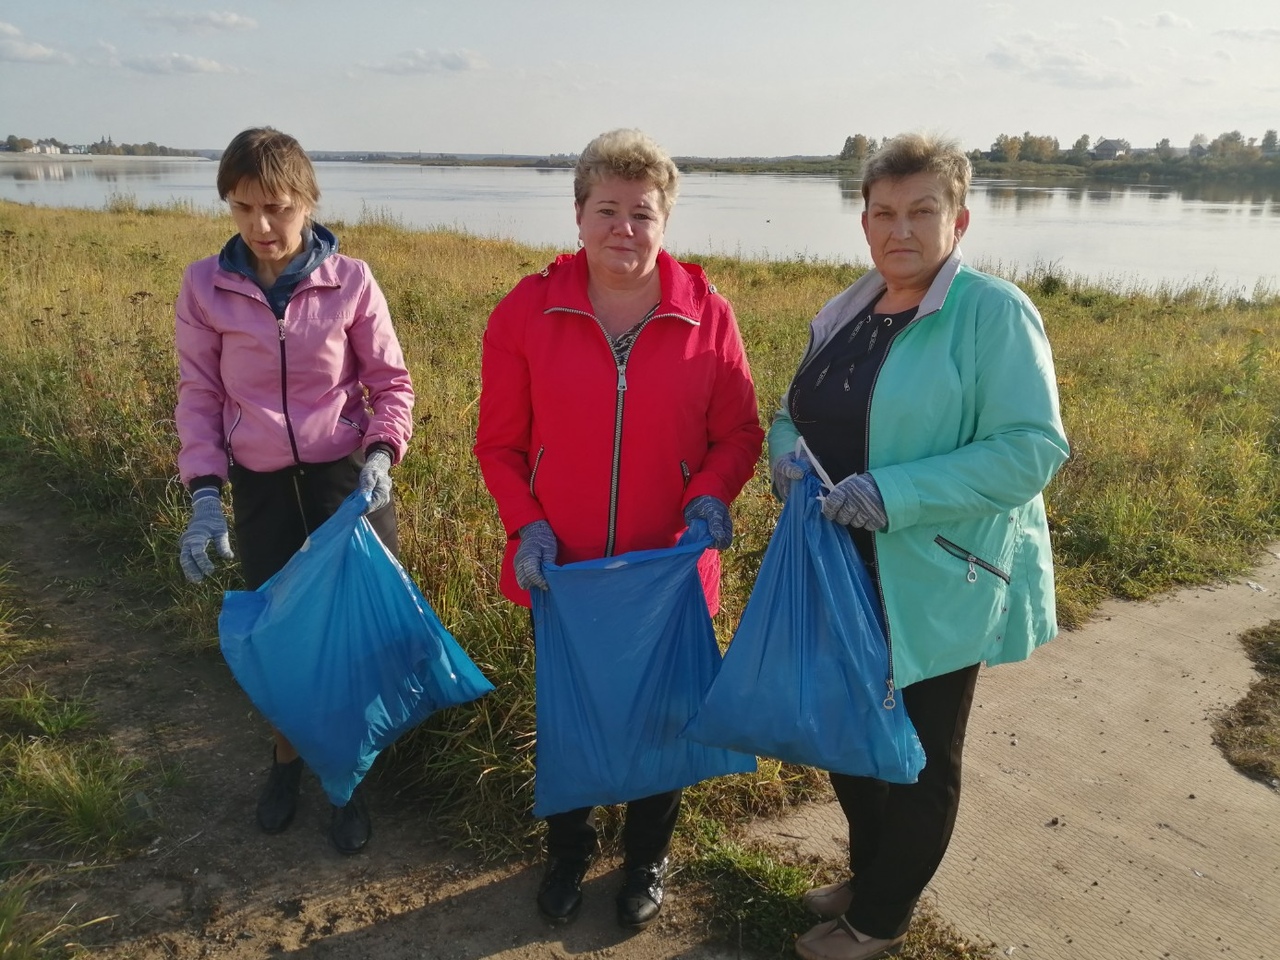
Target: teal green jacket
[[963, 435]]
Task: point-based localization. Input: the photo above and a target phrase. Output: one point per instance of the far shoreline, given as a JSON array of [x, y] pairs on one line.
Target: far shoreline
[[8, 156]]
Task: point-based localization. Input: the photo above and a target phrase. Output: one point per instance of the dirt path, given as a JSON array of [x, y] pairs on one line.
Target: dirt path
[[1099, 820], [209, 884]]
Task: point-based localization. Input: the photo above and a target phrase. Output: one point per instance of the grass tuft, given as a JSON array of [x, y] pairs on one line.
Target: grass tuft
[[1249, 731]]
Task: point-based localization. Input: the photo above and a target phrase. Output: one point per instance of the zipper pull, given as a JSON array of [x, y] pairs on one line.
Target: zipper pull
[[973, 570], [280, 324], [622, 377], [891, 699]]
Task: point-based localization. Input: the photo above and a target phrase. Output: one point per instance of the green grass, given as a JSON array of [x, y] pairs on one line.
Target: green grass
[[1249, 731], [1168, 398], [64, 793]]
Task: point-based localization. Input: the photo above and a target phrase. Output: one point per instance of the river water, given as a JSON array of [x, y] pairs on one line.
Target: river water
[[1128, 235]]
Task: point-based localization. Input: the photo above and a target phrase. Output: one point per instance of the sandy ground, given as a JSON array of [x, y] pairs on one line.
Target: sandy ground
[[1099, 821]]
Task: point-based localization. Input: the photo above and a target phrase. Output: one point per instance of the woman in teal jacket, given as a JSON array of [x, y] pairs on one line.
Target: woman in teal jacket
[[927, 394]]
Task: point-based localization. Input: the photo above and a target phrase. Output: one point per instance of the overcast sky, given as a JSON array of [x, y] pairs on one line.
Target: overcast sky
[[704, 77]]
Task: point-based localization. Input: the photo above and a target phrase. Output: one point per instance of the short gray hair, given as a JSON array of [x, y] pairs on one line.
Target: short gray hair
[[628, 155], [910, 153]]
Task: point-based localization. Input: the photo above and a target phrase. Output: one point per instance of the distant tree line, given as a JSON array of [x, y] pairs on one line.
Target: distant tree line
[[105, 146], [1229, 155]]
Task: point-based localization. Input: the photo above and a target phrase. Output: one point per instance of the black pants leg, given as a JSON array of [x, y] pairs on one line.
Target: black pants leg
[[275, 512], [646, 835], [898, 833]]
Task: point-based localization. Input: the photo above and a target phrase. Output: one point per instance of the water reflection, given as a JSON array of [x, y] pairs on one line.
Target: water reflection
[[851, 190]]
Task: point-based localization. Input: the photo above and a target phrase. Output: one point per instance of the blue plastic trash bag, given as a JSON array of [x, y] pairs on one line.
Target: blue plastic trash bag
[[341, 652], [805, 678], [625, 652]]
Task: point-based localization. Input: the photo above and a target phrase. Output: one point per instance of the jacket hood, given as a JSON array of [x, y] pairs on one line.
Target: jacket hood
[[318, 244]]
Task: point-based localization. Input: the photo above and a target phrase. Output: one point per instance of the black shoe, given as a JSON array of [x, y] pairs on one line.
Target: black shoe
[[560, 895], [640, 899], [279, 800], [349, 826]]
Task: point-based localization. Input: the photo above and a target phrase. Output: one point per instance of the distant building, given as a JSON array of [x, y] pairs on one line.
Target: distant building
[[1109, 149]]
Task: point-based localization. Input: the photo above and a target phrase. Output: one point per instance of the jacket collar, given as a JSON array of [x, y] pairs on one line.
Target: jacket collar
[[846, 305], [684, 287]]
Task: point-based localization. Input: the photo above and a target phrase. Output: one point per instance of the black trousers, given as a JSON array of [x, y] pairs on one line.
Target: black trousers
[[275, 512], [898, 833], [646, 834]]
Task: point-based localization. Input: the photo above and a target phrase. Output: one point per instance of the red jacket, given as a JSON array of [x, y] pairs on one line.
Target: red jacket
[[551, 394]]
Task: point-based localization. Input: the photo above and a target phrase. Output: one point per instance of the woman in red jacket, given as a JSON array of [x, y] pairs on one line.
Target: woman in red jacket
[[616, 407]]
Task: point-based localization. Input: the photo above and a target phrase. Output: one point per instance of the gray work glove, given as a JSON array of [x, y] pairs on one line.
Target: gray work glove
[[787, 469], [856, 502], [537, 546], [716, 513], [375, 479], [208, 523]]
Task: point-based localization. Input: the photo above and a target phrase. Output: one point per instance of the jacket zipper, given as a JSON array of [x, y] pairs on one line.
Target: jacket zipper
[[891, 694], [284, 393], [619, 404], [231, 457], [684, 472], [974, 562], [533, 474]]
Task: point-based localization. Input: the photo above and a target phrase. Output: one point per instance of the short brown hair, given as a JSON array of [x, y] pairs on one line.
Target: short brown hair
[[629, 155], [910, 153], [276, 160]]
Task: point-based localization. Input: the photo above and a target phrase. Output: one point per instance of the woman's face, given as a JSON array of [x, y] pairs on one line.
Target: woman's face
[[621, 226], [911, 229], [271, 225]]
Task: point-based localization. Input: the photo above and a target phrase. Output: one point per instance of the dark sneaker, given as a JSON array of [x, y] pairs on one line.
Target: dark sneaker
[[560, 894], [640, 899], [279, 800], [349, 826]]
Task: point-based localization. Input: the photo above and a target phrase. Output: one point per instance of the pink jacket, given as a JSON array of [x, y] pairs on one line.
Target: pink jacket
[[559, 420], [268, 394]]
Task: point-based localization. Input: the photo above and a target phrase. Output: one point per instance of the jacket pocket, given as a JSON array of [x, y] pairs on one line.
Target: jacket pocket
[[352, 424], [533, 474], [975, 562]]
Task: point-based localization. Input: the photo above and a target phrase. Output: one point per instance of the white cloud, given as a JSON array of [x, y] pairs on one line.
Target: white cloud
[[170, 63], [210, 20], [1258, 35], [15, 49], [428, 61], [1223, 55], [1171, 21], [1036, 58], [1112, 22]]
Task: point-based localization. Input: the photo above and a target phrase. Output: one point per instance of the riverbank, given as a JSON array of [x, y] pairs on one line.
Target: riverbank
[[1168, 400], [10, 158]]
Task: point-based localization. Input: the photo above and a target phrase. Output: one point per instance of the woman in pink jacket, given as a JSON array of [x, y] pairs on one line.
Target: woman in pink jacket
[[616, 407], [292, 387]]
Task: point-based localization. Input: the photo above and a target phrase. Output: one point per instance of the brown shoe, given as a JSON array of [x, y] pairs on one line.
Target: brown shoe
[[836, 940], [830, 901]]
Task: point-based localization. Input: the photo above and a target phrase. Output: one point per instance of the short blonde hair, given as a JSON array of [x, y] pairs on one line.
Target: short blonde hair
[[910, 153], [629, 155], [276, 160]]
